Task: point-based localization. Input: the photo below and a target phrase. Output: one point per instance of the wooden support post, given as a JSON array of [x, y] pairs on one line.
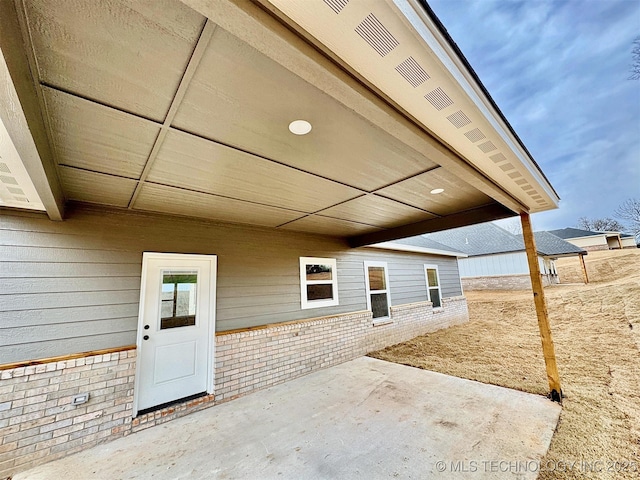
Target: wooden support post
[[541, 309], [584, 268]]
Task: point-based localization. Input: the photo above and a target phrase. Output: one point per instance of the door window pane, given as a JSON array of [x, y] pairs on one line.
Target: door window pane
[[377, 279], [178, 307], [379, 305]]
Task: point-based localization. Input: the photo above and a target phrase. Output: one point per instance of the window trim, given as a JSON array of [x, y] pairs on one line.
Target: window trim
[[439, 286], [304, 302], [387, 291]]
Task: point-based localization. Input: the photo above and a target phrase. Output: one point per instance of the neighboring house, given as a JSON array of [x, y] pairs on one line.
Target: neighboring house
[[628, 241], [496, 259], [592, 241], [171, 238]]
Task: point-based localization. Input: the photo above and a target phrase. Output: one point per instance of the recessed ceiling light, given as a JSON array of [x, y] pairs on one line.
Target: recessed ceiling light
[[299, 127], [436, 191]]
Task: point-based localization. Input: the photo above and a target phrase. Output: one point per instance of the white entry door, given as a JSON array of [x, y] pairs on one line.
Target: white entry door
[[176, 328]]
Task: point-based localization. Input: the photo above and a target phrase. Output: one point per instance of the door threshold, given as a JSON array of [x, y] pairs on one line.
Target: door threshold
[[168, 404]]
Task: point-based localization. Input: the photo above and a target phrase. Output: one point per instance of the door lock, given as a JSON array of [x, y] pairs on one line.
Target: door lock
[[146, 337], [146, 327]]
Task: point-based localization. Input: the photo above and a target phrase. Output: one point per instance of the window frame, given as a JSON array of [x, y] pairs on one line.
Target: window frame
[[369, 292], [439, 286], [304, 302]]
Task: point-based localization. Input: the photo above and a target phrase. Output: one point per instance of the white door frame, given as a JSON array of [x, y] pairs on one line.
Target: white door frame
[[146, 256]]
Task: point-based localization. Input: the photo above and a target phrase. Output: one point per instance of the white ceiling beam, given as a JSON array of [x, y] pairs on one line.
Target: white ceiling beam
[[192, 66], [20, 111]]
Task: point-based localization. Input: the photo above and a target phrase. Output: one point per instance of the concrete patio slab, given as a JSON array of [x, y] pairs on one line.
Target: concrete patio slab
[[363, 419]]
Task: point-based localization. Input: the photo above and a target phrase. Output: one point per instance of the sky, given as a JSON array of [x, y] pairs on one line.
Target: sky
[[559, 71]]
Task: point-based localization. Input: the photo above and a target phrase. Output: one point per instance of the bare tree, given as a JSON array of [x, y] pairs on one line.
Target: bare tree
[[635, 55], [600, 224], [629, 211]]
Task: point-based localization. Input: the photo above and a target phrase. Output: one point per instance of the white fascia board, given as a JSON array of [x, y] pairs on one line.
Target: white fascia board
[[415, 249], [16, 188], [430, 34]]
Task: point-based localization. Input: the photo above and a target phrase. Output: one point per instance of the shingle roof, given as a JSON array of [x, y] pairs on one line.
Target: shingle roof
[[423, 242], [549, 244], [565, 233], [482, 239], [489, 239]]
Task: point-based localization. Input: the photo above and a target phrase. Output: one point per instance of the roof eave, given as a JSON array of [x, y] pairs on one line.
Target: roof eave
[[415, 249]]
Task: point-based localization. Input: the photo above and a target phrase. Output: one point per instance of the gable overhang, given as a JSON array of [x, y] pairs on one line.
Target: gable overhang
[[183, 109], [563, 255], [399, 247]]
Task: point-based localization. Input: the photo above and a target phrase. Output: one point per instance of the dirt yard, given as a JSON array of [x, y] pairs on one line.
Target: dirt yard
[[596, 331]]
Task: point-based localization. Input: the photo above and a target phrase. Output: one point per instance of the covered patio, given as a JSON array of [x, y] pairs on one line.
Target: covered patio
[[362, 419]]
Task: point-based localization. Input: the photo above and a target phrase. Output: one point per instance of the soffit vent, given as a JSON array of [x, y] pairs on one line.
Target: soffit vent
[[522, 181], [498, 157], [487, 147], [438, 99], [412, 72], [8, 180], [22, 199], [526, 188], [4, 168], [515, 175], [536, 197], [336, 5], [475, 135], [507, 166], [459, 119], [376, 35], [15, 190]]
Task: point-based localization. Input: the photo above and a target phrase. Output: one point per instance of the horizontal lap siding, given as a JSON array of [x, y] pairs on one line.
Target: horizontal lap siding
[[73, 286]]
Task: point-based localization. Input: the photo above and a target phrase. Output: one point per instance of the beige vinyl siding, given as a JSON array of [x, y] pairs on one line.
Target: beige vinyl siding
[[74, 286]]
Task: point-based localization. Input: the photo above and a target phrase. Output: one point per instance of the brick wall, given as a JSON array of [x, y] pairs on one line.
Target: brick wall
[[504, 282], [595, 248], [38, 423]]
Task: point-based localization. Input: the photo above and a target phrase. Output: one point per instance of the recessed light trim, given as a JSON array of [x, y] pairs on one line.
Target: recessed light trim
[[437, 191], [299, 127]]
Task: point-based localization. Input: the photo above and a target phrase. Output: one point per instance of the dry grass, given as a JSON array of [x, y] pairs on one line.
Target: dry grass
[[596, 330]]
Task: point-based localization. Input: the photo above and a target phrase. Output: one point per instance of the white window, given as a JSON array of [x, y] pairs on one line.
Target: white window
[[318, 282], [434, 294], [377, 283]]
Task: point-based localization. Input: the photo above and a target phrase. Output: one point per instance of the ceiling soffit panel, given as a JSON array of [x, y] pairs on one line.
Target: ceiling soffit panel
[[381, 44], [194, 163], [329, 226], [91, 187], [94, 137], [457, 195], [377, 211], [159, 198], [267, 30], [241, 98], [129, 55]]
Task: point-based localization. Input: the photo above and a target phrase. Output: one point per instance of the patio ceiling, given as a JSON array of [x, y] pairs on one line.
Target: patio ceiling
[[160, 107]]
